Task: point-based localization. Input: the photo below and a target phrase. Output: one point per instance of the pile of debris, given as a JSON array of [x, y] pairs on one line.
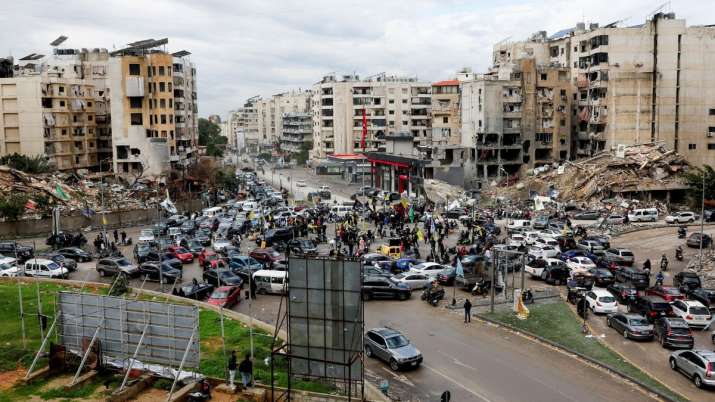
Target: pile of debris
[[441, 192], [707, 271], [635, 168]]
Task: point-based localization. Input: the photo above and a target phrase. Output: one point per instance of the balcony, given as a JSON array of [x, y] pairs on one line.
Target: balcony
[[134, 86]]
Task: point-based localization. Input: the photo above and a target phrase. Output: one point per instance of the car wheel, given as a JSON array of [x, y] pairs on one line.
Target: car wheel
[[608, 322], [698, 381], [368, 351], [393, 365], [625, 334], [673, 363], [402, 296]]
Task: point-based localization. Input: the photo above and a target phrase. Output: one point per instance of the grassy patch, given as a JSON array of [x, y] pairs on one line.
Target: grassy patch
[[557, 323]]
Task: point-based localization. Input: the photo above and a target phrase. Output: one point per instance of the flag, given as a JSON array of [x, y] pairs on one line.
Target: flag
[[104, 219], [432, 227], [522, 312], [460, 270], [403, 201], [364, 129], [60, 193], [411, 214], [31, 205]]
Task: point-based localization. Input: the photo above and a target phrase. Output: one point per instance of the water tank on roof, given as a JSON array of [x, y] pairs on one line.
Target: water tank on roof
[[593, 26], [670, 16], [580, 26]]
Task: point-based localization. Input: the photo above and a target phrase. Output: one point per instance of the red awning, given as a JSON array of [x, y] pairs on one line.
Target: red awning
[[388, 163]]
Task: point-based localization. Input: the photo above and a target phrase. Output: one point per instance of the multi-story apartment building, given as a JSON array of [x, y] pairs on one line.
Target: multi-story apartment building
[[390, 104], [56, 106], [271, 111], [638, 84], [153, 108], [244, 122], [297, 131], [445, 113]]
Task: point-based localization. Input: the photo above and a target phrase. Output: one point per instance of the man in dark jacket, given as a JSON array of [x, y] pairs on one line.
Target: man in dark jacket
[[246, 371], [467, 311]]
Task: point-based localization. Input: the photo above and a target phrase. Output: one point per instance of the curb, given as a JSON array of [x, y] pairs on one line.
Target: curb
[[598, 364], [659, 226]]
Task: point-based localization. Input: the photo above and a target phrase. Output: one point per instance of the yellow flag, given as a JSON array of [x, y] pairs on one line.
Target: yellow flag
[[404, 203], [104, 219], [263, 244], [522, 312]]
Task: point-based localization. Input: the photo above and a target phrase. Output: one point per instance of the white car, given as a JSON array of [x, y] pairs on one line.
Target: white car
[[517, 239], [146, 236], [414, 280], [300, 183], [550, 233], [580, 264], [8, 267], [543, 251], [536, 267], [530, 237], [693, 312], [682, 217], [431, 269], [324, 188], [41, 267], [220, 244], [601, 301], [548, 241]]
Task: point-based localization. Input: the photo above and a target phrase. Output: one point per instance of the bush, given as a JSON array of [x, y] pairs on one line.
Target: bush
[[12, 206], [28, 164]]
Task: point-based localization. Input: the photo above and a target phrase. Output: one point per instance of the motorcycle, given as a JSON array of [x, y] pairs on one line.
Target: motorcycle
[[682, 232], [433, 295], [483, 287]]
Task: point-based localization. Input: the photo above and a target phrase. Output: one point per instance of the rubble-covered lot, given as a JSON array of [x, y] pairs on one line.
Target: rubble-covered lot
[[707, 271]]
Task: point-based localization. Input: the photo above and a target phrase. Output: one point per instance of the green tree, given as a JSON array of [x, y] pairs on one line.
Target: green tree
[[29, 164], [694, 179], [210, 137], [12, 206], [302, 156]]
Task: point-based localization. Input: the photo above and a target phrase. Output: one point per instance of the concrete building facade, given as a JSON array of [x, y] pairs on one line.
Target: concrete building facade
[[296, 132], [445, 113]]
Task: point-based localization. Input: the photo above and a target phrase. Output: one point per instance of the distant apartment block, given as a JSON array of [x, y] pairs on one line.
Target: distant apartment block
[[297, 132]]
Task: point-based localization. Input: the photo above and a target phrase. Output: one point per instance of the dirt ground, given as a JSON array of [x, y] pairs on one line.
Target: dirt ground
[[152, 395], [9, 378]]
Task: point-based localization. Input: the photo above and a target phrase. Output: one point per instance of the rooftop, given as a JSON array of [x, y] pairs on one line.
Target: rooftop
[[446, 83]]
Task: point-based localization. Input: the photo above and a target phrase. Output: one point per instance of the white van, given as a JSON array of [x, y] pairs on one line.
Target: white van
[[250, 206], [45, 268], [211, 212], [271, 281], [341, 210], [643, 215], [518, 225]]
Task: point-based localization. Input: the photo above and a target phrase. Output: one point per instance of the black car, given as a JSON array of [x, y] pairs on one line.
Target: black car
[[555, 274], [16, 250], [686, 281], [203, 237], [195, 290], [302, 247], [145, 252], [195, 247], [188, 227], [673, 332], [623, 292], [652, 307], [371, 258], [377, 287], [638, 278], [279, 235], [71, 265], [694, 240], [602, 277], [75, 253], [155, 271], [222, 277], [447, 276], [704, 296]]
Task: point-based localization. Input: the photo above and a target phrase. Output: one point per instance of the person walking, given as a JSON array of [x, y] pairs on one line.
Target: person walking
[[246, 371], [232, 365], [467, 311]]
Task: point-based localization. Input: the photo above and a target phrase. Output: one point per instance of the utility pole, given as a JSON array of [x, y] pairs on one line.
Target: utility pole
[[19, 291], [702, 223]]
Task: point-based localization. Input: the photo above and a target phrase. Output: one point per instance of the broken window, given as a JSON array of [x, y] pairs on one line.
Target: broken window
[[544, 76], [134, 69]]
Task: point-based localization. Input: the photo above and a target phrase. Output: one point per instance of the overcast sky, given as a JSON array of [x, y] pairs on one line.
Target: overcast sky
[[262, 47]]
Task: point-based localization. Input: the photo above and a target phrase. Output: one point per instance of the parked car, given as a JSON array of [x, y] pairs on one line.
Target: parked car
[[540, 222], [673, 333], [686, 281], [668, 293], [376, 287], [225, 296], [44, 268], [652, 307], [181, 254], [555, 274], [16, 250], [620, 256], [603, 239], [392, 347], [194, 246], [580, 264], [244, 266], [71, 265], [694, 240], [75, 253], [624, 293], [413, 280], [643, 215], [302, 247], [682, 217], [162, 272], [566, 255], [195, 290], [601, 301], [447, 276], [587, 215], [693, 312], [267, 256], [542, 251], [602, 277], [698, 365], [633, 276], [370, 270], [145, 252], [116, 265], [222, 277], [300, 183], [430, 269], [591, 246], [704, 296], [632, 326], [146, 236], [8, 267]]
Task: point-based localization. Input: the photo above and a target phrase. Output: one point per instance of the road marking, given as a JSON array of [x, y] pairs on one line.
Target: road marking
[[446, 377], [458, 363]]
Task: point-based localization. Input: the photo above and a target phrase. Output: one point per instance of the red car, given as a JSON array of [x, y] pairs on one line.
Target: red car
[[181, 254], [216, 262], [225, 296], [204, 255], [668, 293], [267, 256]]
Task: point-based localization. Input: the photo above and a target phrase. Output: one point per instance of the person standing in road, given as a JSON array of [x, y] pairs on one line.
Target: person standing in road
[[232, 365], [246, 371], [467, 311]]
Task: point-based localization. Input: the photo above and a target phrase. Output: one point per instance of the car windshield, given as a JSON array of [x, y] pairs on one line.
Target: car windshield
[[147, 232], [53, 266], [5, 266], [398, 341], [638, 322], [672, 291], [698, 310], [661, 306], [275, 254], [626, 253], [606, 299], [227, 274], [181, 250], [680, 331], [219, 294], [123, 262]]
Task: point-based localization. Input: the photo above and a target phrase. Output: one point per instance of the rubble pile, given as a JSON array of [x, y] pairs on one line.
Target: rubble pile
[[440, 192], [637, 168], [707, 271], [71, 193]]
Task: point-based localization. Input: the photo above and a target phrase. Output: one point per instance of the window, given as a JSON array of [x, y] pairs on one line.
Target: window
[[711, 147], [562, 123], [404, 101], [61, 90], [391, 101], [692, 146], [162, 103], [544, 77], [135, 102], [563, 92], [712, 112], [153, 70], [169, 86], [171, 118], [162, 87], [445, 119], [711, 131], [136, 119], [171, 103], [62, 103], [161, 70], [163, 119], [134, 69], [90, 117], [89, 104]]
